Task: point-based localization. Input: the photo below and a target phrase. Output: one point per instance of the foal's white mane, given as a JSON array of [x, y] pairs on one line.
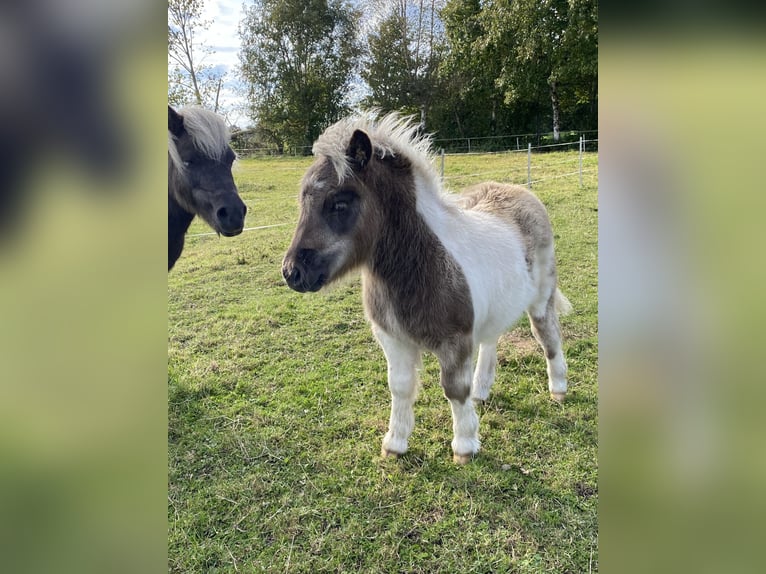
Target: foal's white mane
[[208, 131], [391, 135]]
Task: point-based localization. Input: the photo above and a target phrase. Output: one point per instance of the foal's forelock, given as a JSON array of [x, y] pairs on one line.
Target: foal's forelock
[[320, 178], [391, 135]]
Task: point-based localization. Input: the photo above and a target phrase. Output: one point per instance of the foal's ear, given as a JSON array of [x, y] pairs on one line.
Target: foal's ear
[[175, 122], [359, 149]]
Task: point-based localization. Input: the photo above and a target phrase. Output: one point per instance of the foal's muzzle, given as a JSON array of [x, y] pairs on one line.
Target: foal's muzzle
[[305, 271]]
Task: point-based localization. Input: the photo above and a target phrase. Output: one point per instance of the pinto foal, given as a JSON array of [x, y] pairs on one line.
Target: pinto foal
[[442, 273]]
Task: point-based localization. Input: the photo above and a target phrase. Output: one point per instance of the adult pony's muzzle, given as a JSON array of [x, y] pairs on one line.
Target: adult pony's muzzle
[[231, 218], [304, 271]]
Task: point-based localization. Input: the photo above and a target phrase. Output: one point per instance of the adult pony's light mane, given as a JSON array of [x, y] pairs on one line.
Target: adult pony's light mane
[[391, 135], [207, 130]]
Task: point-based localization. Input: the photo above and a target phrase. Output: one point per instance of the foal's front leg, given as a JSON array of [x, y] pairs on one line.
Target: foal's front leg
[[456, 382], [403, 360]]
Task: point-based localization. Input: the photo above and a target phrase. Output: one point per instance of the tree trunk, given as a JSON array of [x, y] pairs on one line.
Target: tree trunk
[[555, 106], [459, 125], [197, 94], [493, 118], [217, 94]]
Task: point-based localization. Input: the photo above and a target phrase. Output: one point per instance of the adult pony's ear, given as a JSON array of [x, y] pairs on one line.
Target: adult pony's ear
[[359, 150], [175, 122]]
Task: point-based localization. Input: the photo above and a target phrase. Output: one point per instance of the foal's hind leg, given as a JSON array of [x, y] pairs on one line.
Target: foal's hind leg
[[403, 361], [545, 328], [484, 374]]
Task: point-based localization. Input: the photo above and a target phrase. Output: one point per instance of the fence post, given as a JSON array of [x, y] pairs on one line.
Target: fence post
[[469, 145], [442, 155], [582, 144], [529, 165]]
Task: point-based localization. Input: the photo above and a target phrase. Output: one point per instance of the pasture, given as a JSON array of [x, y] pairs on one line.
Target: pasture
[[277, 404]]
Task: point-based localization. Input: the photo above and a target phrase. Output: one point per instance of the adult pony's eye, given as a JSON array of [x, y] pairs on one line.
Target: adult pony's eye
[[340, 206]]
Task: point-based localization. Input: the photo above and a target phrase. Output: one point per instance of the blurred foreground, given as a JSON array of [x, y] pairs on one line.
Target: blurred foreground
[[681, 298], [82, 286]]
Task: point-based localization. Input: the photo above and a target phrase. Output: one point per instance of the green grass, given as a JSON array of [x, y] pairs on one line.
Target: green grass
[[278, 403]]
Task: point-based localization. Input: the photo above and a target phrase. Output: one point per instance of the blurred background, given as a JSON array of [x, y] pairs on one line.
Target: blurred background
[[83, 91]]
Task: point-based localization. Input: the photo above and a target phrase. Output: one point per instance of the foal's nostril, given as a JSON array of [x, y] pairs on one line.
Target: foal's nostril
[[222, 214]]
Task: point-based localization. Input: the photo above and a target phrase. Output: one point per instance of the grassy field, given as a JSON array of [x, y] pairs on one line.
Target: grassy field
[[278, 403]]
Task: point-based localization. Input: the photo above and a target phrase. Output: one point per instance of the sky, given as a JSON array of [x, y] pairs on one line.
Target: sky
[[222, 37]]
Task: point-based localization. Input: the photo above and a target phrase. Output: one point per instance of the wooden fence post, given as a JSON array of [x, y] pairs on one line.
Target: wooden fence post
[[529, 165], [442, 156]]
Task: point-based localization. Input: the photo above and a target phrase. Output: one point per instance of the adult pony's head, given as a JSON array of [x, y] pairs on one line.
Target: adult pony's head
[[199, 169], [365, 171]]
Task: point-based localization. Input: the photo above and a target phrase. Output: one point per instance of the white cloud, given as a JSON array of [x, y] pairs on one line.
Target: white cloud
[[223, 38]]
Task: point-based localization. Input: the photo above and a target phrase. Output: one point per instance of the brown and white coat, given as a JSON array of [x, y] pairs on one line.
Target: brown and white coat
[[441, 272]]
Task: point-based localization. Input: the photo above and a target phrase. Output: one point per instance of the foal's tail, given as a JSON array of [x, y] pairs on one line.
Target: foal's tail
[[563, 306]]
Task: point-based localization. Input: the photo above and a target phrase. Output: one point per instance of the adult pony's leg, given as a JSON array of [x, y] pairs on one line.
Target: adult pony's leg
[[545, 328], [484, 374], [456, 382], [403, 362]]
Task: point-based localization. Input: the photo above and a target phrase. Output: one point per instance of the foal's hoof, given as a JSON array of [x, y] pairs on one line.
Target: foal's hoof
[[389, 453], [558, 397], [462, 459]]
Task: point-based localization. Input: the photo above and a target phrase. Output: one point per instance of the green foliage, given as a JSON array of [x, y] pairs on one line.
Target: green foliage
[[471, 105], [510, 63], [552, 47], [277, 402], [470, 68], [389, 72], [179, 92], [402, 58], [296, 59]]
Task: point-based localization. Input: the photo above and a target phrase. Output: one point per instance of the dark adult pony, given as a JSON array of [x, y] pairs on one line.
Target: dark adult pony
[[199, 177]]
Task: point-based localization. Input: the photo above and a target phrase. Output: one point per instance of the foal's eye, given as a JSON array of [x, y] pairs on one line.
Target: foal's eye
[[340, 206]]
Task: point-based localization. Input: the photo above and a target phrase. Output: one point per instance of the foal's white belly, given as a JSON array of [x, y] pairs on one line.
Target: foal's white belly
[[491, 255], [496, 271]]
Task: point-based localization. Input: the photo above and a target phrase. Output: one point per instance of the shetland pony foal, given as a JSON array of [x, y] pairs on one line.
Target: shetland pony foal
[[199, 177], [443, 273]]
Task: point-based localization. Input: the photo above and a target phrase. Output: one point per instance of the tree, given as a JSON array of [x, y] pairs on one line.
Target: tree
[[403, 54], [580, 68], [189, 79], [471, 104], [552, 47], [388, 69], [297, 60]]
